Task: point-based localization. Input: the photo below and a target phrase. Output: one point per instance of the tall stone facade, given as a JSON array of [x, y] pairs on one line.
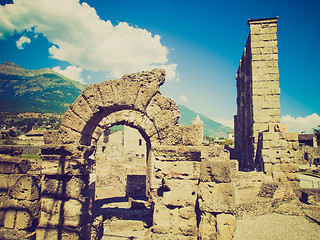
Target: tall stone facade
[[258, 101], [261, 142]]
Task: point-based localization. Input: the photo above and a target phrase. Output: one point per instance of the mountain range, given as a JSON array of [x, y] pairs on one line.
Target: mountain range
[[44, 90]]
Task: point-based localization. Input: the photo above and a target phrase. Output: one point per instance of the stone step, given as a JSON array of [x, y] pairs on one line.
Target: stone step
[[123, 229]]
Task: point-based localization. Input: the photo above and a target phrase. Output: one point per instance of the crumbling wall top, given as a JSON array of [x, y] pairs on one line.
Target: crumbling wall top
[[263, 20]]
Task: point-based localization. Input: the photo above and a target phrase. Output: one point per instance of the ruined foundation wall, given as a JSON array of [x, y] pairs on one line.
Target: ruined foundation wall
[[193, 193]]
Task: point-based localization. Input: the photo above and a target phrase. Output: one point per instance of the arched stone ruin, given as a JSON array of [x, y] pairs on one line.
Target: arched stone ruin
[[189, 186]]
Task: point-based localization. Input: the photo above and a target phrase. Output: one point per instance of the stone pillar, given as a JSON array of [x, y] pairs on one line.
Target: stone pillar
[[174, 191], [258, 101], [216, 200], [66, 199]]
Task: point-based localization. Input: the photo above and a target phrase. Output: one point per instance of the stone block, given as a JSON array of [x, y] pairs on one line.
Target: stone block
[[51, 137], [270, 136], [216, 197], [162, 218], [25, 188], [92, 96], [178, 169], [9, 168], [73, 121], [81, 108], [144, 96], [68, 135], [291, 176], [4, 182], [177, 153], [207, 226], [181, 193], [62, 167], [14, 234], [187, 212], [290, 168], [226, 225], [107, 93], [72, 213], [291, 136], [192, 135], [11, 150], [9, 218], [2, 217], [57, 234], [279, 177], [215, 171], [51, 214], [125, 92], [281, 127], [23, 220], [73, 187], [187, 227], [268, 167], [65, 150]]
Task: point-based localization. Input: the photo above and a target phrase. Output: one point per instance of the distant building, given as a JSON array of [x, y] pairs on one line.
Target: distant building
[[307, 139], [33, 137], [198, 121], [231, 135]]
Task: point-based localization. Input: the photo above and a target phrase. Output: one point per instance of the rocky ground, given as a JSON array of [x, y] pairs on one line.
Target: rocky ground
[[277, 227], [266, 211]]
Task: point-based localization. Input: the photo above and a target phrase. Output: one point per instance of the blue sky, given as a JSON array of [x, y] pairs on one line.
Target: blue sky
[[199, 43]]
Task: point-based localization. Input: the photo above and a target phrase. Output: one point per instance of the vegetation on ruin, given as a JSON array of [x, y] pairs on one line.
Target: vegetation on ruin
[[31, 156]]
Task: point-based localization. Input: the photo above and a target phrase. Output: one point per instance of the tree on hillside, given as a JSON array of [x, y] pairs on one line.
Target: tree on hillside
[[316, 132]]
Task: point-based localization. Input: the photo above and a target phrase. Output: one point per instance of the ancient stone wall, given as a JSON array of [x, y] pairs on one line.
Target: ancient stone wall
[[277, 154], [192, 193], [258, 101], [19, 196], [66, 197], [189, 186], [261, 142]]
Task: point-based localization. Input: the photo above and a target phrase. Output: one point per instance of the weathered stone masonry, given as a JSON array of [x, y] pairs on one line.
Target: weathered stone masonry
[[188, 185], [258, 89], [19, 196], [261, 142]]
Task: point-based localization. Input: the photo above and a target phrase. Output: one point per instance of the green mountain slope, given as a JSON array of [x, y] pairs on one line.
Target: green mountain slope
[[210, 127], [23, 90]]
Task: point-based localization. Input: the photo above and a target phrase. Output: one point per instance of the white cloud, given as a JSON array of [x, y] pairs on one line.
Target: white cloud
[[171, 73], [183, 99], [301, 124], [81, 38], [22, 42], [72, 72]]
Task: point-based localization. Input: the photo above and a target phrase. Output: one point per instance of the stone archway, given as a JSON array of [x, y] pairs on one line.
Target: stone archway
[[183, 178], [134, 99]]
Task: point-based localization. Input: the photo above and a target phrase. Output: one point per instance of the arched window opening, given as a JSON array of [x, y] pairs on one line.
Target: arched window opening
[[121, 158]]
